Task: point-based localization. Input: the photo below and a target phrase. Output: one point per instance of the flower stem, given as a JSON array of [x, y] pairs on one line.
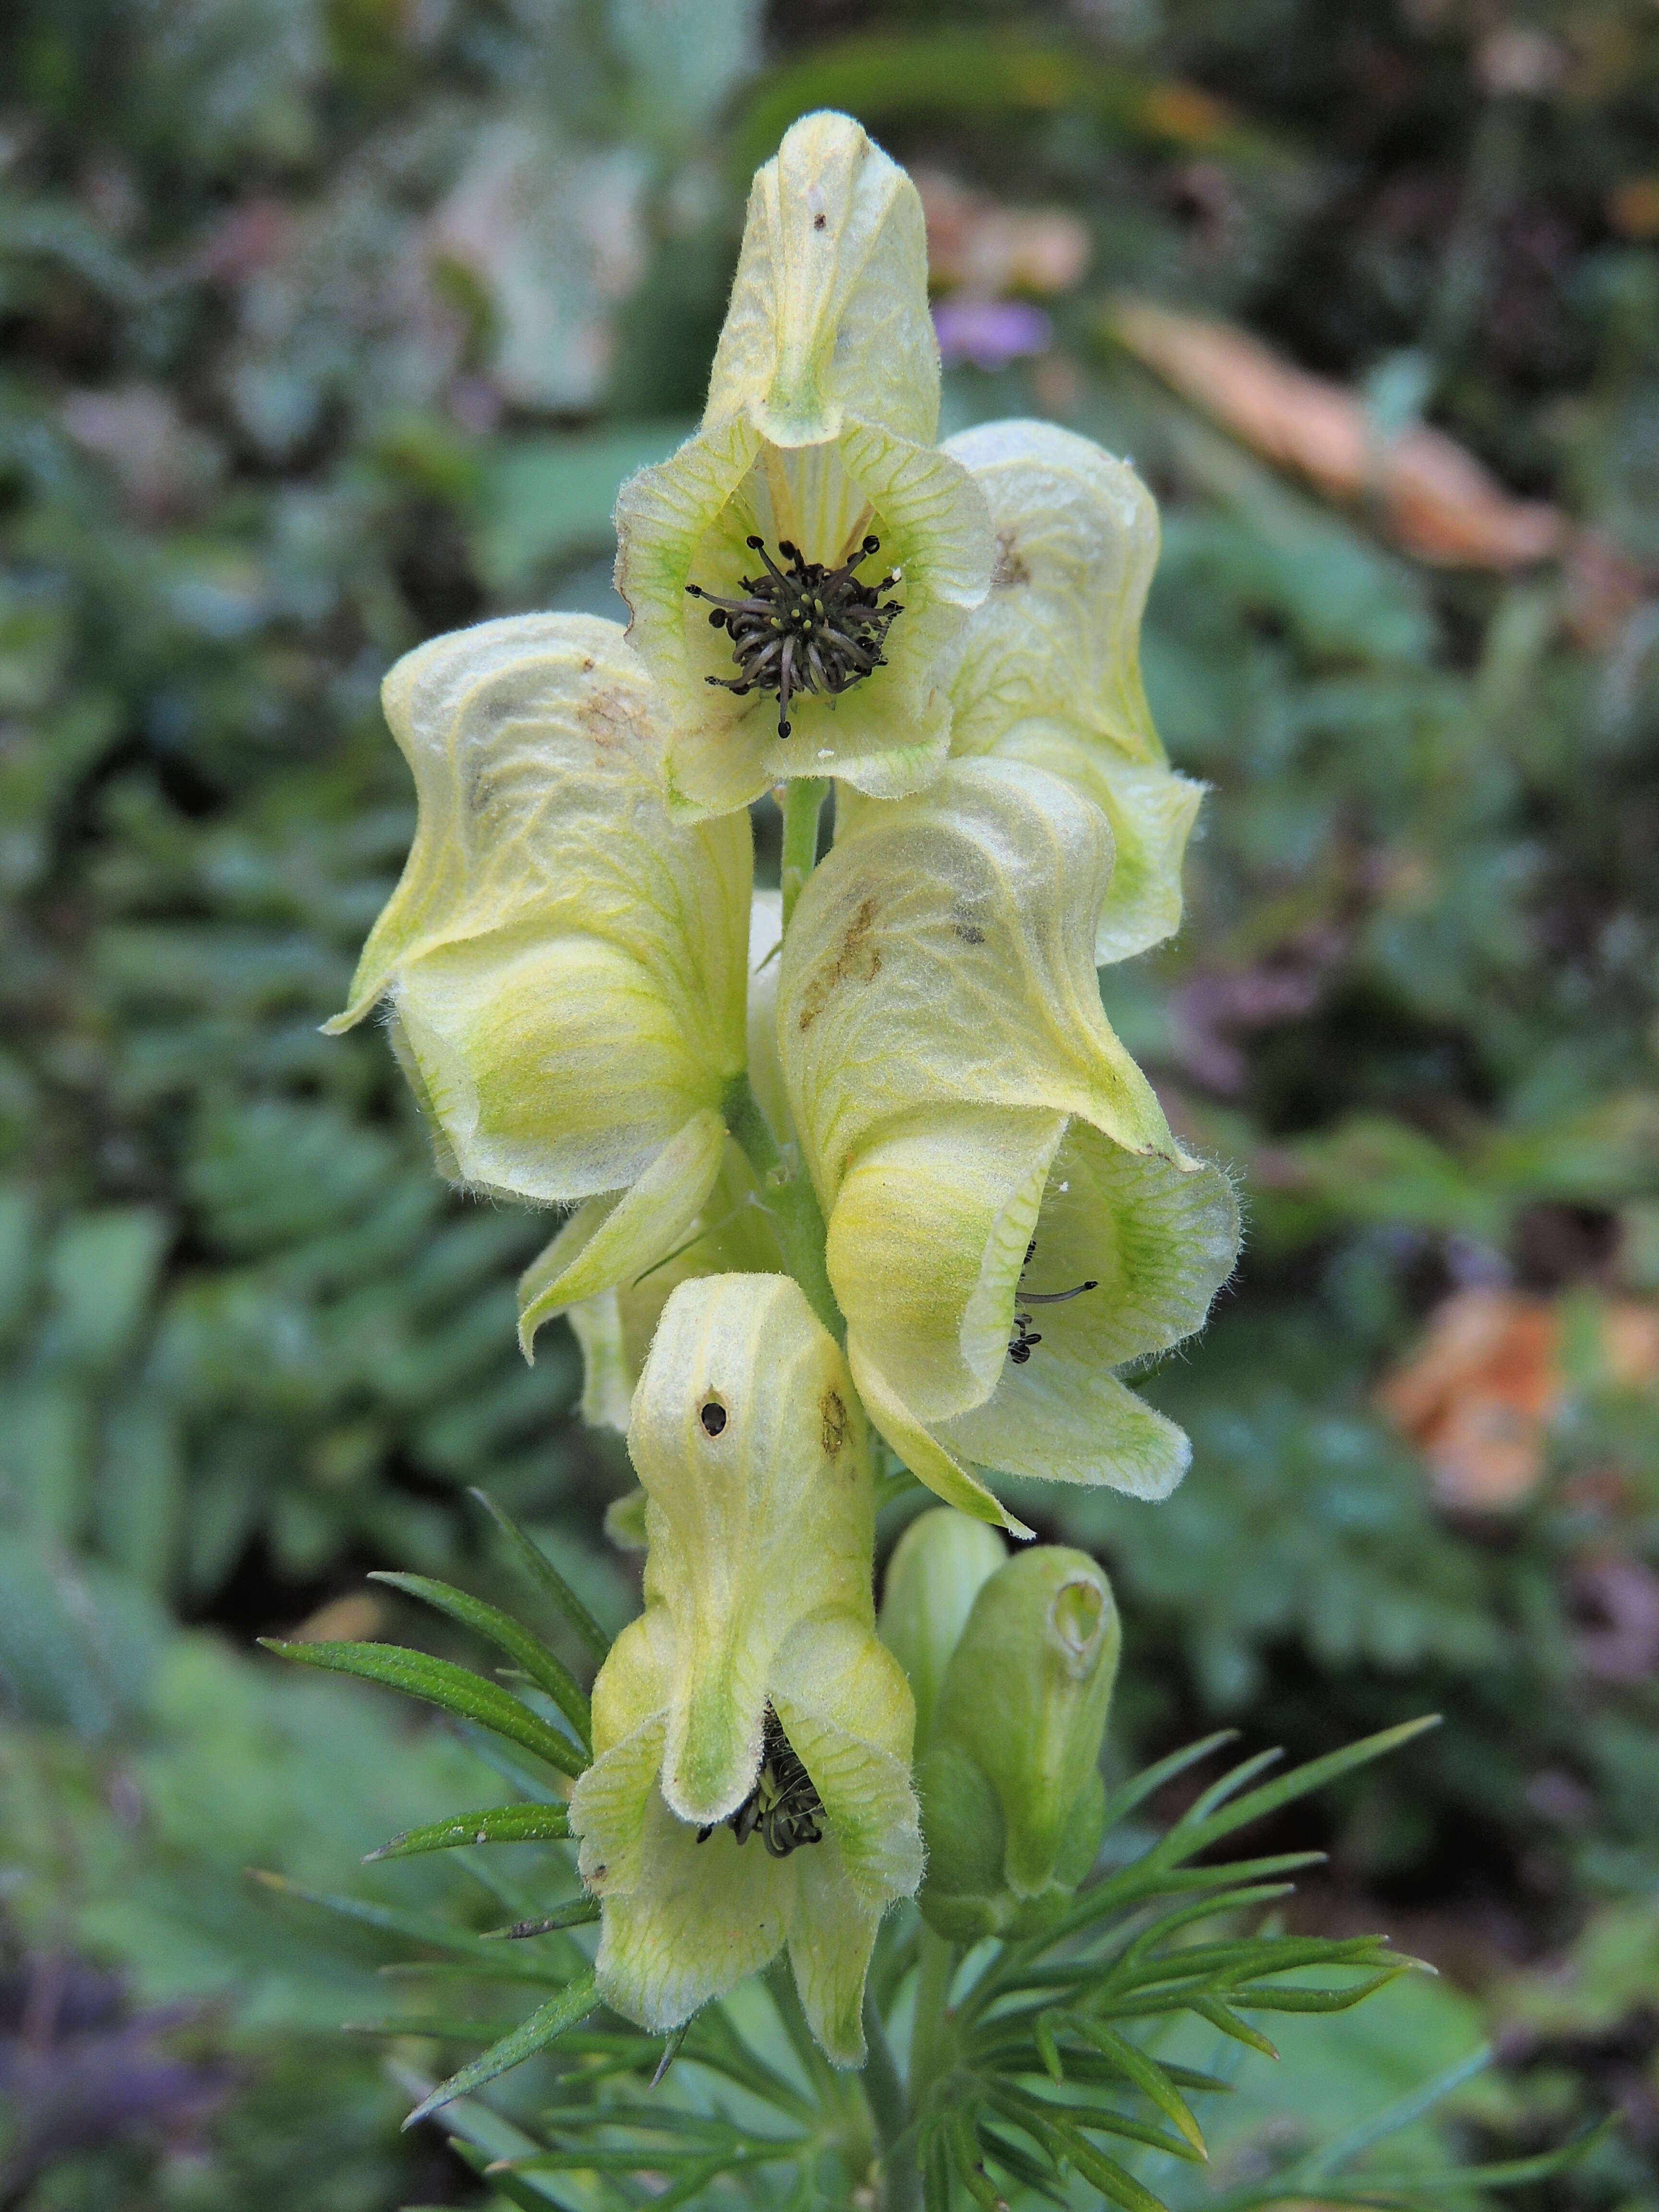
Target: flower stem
[[884, 2092], [935, 1973], [803, 803], [786, 1193]]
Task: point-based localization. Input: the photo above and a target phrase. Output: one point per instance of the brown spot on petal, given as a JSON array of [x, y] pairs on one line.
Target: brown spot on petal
[[856, 961], [1009, 569], [835, 1422], [605, 719]]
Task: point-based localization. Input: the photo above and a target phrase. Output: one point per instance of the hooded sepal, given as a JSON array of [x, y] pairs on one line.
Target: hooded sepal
[[1046, 670], [565, 962]]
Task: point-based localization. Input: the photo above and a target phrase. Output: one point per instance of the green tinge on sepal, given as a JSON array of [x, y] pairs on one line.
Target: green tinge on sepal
[[939, 1567], [759, 1513], [565, 963]]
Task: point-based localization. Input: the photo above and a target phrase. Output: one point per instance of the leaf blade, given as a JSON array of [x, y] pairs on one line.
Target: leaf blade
[[441, 1682], [564, 2009]]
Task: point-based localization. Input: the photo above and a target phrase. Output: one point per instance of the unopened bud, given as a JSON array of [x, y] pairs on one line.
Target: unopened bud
[[937, 1569], [1011, 1789]]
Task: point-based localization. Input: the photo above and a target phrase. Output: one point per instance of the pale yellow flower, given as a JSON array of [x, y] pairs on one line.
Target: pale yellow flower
[[983, 1147], [755, 1668], [564, 963], [823, 406]]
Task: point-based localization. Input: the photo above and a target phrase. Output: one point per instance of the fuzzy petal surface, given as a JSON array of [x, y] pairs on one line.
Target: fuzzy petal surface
[[760, 1524], [1048, 668], [829, 309], [566, 963], [752, 1529], [944, 951]]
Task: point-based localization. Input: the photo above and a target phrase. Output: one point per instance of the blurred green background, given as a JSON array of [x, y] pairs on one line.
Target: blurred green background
[[330, 324]]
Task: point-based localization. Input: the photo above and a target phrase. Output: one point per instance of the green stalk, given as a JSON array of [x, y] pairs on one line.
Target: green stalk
[[803, 803], [884, 2092], [787, 1193], [935, 1973]]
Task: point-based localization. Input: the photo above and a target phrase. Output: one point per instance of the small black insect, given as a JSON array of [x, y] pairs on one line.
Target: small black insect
[[1024, 1336], [804, 628], [784, 1807]]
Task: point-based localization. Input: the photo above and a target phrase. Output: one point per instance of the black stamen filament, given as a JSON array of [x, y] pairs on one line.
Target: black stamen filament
[[1024, 1336], [804, 628], [783, 1807]]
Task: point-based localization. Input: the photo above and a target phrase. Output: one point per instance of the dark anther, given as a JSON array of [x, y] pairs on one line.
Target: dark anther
[[712, 1417], [1024, 1336], [806, 628], [784, 1807]]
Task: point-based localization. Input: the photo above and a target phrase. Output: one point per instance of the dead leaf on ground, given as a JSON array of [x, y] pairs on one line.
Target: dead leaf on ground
[[1478, 1396], [1436, 499], [359, 1617], [977, 245]]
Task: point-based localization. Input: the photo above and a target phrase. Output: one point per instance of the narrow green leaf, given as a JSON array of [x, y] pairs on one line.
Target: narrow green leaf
[[1505, 2174], [1105, 2120], [508, 1635], [1108, 2176], [1340, 2150], [1141, 1786], [504, 2184], [1182, 1842], [1136, 1884], [1229, 1786], [1295, 1999], [495, 1824], [1148, 2076], [1230, 2024], [575, 1912], [546, 1577], [671, 2052], [963, 2139], [1170, 1924], [1024, 2167], [547, 2022], [456, 1689], [1042, 2033], [935, 2174]]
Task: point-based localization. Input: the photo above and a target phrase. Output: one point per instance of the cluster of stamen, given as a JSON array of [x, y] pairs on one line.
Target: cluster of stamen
[[1024, 1336], [806, 628], [783, 1808]]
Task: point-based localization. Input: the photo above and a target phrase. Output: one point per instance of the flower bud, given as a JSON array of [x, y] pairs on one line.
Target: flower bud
[[938, 1566], [565, 963], [1012, 1794]]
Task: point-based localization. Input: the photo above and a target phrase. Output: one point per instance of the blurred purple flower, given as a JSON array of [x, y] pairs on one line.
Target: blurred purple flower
[[990, 333]]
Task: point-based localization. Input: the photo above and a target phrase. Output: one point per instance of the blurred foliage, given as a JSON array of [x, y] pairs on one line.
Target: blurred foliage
[[329, 324]]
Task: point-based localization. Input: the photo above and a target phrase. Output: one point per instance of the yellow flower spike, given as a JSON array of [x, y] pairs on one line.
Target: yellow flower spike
[[798, 570], [1009, 1216], [1046, 670], [565, 964], [750, 1784]]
